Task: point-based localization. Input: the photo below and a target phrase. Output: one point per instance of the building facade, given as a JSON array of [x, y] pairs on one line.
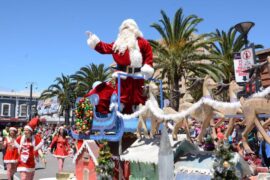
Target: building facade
[[14, 106]]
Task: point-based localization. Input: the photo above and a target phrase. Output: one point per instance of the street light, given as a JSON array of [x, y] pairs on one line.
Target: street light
[[244, 28], [30, 100]]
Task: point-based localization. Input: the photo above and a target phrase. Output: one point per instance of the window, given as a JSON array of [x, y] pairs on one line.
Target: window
[[23, 110], [5, 109]]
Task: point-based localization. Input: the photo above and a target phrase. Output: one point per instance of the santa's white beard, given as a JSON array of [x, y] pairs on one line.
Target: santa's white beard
[[127, 40]]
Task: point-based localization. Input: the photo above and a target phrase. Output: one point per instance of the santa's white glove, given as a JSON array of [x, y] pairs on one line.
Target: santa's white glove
[[147, 71], [92, 40]]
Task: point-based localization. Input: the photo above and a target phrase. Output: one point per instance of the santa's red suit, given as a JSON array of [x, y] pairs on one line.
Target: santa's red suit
[[27, 148], [134, 60], [104, 91], [11, 155], [62, 147]]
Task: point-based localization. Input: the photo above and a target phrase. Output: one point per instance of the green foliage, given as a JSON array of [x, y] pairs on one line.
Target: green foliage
[[84, 115], [105, 162], [224, 46], [223, 167], [180, 51], [87, 75], [64, 90]]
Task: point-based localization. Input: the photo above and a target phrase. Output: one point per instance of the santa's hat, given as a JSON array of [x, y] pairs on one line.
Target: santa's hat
[[95, 84], [12, 129], [32, 124]]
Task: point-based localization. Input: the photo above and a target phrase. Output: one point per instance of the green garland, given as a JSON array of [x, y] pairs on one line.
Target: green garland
[[84, 115], [105, 162]]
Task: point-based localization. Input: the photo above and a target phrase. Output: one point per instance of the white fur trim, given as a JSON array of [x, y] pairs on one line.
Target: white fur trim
[[16, 145], [12, 129], [10, 161], [58, 156], [92, 41], [25, 169], [147, 70], [28, 127], [39, 145]]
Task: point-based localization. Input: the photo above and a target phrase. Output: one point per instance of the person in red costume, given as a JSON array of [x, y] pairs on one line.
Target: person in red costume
[[133, 55], [62, 147], [27, 145], [104, 90], [11, 156]]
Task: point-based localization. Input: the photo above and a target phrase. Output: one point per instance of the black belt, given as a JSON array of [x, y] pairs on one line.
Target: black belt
[[127, 69]]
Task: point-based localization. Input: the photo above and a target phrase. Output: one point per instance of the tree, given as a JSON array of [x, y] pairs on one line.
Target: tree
[[64, 89], [87, 75], [224, 47], [105, 162], [223, 167], [179, 52]]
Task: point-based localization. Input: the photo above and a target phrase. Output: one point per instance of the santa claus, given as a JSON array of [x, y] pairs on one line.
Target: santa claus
[[28, 144], [133, 55]]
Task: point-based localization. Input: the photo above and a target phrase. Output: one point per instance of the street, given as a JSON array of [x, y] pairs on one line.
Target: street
[[48, 172]]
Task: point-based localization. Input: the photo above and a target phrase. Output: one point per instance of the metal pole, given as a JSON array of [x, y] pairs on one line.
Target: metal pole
[[161, 94], [120, 171], [30, 101]]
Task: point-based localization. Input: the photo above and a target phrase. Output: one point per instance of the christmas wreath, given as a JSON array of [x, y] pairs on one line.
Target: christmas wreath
[[84, 115]]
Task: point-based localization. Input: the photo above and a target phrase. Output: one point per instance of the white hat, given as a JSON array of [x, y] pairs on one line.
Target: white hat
[[95, 84], [12, 129]]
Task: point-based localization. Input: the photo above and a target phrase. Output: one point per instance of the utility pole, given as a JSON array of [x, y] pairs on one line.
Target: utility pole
[[30, 85], [30, 101]]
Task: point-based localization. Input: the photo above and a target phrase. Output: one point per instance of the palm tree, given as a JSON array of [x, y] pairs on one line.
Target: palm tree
[[178, 53], [64, 89], [223, 49], [87, 75]]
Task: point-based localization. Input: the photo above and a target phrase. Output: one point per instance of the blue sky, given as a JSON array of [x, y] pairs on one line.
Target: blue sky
[[39, 40]]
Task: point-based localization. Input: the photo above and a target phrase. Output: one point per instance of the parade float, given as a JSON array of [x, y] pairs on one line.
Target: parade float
[[103, 112]]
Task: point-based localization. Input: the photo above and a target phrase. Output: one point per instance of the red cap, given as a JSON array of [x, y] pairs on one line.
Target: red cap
[[32, 124]]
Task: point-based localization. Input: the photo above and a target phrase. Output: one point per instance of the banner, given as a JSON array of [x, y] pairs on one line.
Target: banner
[[48, 107], [243, 61]]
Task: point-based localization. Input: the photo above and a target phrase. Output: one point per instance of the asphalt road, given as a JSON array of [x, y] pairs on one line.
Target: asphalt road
[[48, 172]]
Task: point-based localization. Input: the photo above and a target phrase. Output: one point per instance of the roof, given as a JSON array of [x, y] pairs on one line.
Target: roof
[[92, 149], [146, 150], [263, 51], [18, 94]]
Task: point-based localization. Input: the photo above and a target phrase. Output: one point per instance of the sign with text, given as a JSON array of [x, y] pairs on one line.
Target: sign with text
[[243, 61]]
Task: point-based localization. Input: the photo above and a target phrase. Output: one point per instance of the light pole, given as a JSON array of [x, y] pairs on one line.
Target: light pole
[[244, 28], [30, 98]]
